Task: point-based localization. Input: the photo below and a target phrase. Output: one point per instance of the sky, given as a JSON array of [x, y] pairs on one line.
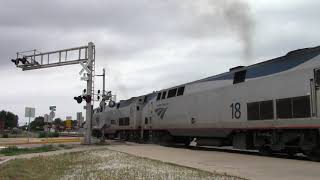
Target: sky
[[144, 45]]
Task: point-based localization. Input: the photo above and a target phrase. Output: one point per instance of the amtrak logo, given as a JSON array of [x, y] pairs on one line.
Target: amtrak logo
[[160, 112]]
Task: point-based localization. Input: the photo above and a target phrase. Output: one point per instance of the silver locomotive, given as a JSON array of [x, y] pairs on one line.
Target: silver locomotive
[[272, 106]]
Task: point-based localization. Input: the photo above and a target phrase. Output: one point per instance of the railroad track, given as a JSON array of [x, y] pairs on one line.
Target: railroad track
[[248, 152]]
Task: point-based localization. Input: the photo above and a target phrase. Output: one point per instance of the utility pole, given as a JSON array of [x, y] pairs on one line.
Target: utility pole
[[103, 96], [29, 131], [104, 81]]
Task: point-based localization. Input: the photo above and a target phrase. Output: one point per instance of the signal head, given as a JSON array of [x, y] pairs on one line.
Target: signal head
[[78, 99], [109, 93], [23, 60], [15, 61]]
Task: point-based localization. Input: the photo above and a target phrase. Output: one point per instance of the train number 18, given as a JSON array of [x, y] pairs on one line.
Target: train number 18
[[235, 110]]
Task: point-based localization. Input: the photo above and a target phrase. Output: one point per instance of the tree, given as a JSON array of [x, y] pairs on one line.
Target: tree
[[58, 123], [10, 119], [37, 124]]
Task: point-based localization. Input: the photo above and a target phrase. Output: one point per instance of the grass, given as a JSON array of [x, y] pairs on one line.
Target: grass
[[99, 164], [13, 150]]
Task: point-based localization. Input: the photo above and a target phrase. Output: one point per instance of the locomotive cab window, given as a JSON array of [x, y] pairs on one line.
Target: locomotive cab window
[[172, 93], [180, 91], [239, 76]]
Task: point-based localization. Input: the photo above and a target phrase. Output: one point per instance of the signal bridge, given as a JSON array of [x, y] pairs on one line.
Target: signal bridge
[[83, 55], [63, 57]]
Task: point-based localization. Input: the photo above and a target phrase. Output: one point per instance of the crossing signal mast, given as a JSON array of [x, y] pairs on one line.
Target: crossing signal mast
[[84, 55]]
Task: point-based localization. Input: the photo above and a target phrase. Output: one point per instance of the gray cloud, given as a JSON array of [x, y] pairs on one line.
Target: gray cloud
[[135, 25], [145, 45]]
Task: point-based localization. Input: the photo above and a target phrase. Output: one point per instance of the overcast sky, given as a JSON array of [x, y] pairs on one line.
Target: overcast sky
[[144, 45]]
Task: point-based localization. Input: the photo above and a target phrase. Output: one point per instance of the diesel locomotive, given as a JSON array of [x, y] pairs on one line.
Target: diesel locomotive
[[272, 106]]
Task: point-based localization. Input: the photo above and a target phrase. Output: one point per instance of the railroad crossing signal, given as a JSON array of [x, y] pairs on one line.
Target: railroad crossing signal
[[85, 68], [84, 55]]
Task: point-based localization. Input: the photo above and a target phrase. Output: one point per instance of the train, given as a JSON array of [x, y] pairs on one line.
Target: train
[[272, 106]]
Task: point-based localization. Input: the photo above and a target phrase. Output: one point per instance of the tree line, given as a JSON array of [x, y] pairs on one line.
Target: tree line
[[38, 124], [11, 121]]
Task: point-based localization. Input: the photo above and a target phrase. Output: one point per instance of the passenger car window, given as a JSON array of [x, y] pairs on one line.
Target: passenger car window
[[164, 93], [301, 107], [158, 96], [180, 91], [284, 108], [172, 93]]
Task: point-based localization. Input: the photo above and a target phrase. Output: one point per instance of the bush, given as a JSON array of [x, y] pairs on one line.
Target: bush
[[42, 134], [5, 135], [48, 134], [55, 134], [16, 131], [14, 150]]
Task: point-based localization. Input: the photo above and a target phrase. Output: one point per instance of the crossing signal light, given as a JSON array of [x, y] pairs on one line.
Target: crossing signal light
[[23, 60], [78, 99], [87, 98], [15, 61]]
